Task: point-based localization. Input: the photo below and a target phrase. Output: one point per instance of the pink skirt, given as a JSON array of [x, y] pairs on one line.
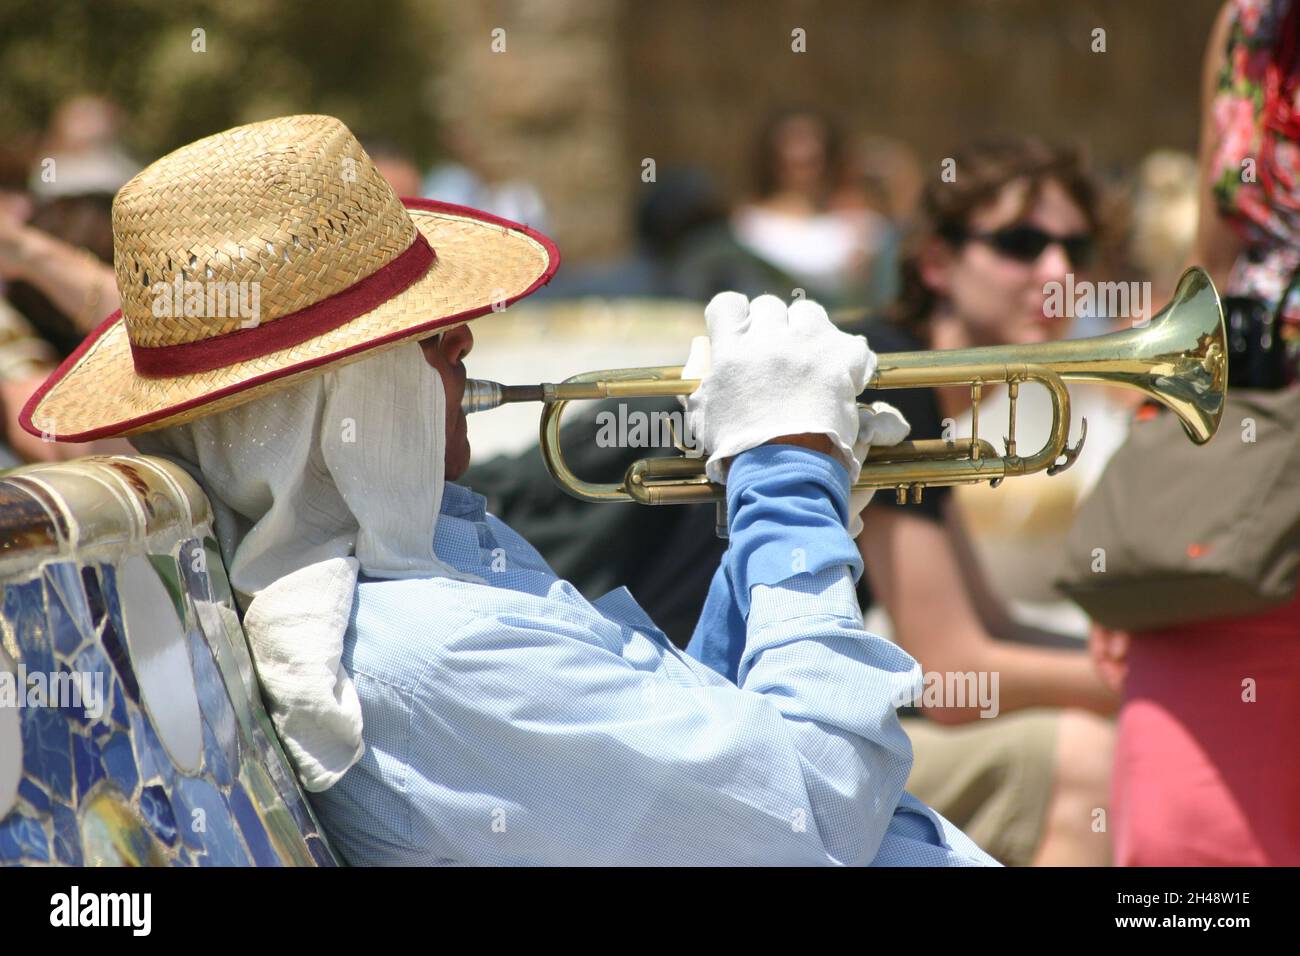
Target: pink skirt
[[1207, 756]]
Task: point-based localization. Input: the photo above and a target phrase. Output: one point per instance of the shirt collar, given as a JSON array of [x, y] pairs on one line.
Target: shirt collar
[[460, 502]]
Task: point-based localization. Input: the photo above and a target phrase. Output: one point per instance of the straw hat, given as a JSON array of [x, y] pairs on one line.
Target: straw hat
[[255, 257]]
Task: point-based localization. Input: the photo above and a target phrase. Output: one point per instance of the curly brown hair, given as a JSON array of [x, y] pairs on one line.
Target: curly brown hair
[[983, 168]]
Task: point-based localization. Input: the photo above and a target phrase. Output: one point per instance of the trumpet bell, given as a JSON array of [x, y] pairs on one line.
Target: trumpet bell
[[1180, 358]]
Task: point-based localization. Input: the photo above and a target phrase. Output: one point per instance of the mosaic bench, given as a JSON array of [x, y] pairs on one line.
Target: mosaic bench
[[131, 728]]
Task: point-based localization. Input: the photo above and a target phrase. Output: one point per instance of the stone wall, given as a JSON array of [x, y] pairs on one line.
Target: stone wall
[[588, 88], [548, 107]]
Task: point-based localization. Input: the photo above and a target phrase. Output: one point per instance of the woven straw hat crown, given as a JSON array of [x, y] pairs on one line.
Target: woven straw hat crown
[[294, 205]]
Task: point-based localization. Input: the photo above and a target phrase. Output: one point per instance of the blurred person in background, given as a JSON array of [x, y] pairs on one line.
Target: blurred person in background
[[1164, 215], [81, 152], [15, 201], [24, 355], [889, 176], [1202, 778], [56, 244], [1151, 233], [55, 262], [469, 176], [395, 164], [684, 249], [55, 274], [25, 358], [806, 215]]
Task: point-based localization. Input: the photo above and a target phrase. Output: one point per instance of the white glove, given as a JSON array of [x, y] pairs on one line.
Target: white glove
[[697, 366], [775, 371], [879, 423]]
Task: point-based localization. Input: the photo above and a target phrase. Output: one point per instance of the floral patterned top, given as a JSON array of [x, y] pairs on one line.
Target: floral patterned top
[[1257, 166]]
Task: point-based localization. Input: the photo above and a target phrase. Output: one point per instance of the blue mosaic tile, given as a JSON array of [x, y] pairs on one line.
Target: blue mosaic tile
[[69, 702], [97, 687], [157, 810], [113, 635], [70, 621], [119, 762], [24, 608], [320, 852], [151, 757], [47, 750], [33, 794], [250, 824], [214, 761], [91, 660], [120, 717], [114, 644], [218, 838], [67, 837], [67, 633], [94, 595], [214, 702], [112, 601], [23, 837], [85, 758], [63, 579]]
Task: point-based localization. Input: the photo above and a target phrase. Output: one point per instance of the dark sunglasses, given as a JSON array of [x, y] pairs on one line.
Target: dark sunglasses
[[1026, 243]]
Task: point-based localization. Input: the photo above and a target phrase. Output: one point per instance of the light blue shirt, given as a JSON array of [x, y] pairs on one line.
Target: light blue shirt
[[514, 722]]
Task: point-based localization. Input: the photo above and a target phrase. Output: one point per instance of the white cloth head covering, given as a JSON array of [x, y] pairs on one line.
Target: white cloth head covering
[[306, 483]]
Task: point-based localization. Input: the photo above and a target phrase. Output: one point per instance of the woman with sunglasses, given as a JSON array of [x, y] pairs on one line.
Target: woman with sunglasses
[[1025, 784]]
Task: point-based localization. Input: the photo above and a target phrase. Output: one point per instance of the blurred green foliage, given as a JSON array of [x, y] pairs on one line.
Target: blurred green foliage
[[369, 62]]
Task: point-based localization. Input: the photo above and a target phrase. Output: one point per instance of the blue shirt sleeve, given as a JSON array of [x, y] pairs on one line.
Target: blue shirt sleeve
[[787, 514], [535, 739]]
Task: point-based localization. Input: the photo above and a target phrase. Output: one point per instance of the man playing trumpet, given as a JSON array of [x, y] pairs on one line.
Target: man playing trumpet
[[444, 696]]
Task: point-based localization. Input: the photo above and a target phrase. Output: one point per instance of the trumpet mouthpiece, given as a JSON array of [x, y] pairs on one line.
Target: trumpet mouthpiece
[[481, 395]]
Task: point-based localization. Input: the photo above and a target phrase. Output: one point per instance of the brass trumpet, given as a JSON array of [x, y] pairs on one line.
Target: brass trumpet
[[1179, 359]]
